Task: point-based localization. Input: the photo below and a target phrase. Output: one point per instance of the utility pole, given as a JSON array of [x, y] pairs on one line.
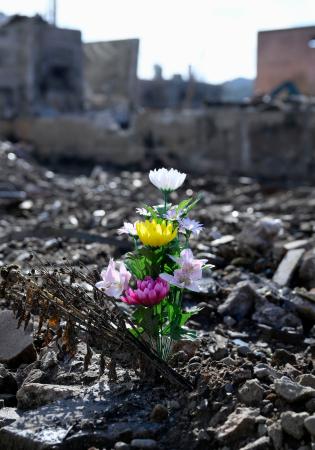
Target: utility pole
[[52, 11]]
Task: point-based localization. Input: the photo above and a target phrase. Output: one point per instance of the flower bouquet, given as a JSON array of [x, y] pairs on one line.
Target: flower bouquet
[[153, 278]]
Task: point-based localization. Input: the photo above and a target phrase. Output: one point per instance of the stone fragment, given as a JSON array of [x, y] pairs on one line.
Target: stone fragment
[[8, 383], [263, 371], [222, 241], [299, 243], [144, 444], [310, 406], [275, 316], [304, 307], [35, 376], [48, 360], [251, 393], [307, 379], [287, 267], [16, 344], [261, 234], [281, 357], [159, 413], [307, 270], [8, 416], [309, 424], [293, 423], [263, 443], [240, 302], [291, 391], [239, 423], [33, 395], [276, 435], [121, 446]]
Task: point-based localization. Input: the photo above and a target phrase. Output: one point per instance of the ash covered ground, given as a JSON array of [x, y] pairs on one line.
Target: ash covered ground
[[252, 367]]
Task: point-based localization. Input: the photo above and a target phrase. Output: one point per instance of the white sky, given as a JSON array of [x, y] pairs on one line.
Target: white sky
[[217, 37]]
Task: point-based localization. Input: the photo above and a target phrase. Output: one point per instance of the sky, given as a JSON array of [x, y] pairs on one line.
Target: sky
[[218, 38]]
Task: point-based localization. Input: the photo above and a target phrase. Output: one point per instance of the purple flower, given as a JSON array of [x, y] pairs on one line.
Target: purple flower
[[173, 214], [149, 292], [114, 282], [190, 225], [189, 273]]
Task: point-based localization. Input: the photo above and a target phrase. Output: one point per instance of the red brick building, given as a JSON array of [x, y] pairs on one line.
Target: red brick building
[[286, 55]]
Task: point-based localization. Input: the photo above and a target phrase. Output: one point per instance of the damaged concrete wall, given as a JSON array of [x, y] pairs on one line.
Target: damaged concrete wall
[[110, 72], [224, 140]]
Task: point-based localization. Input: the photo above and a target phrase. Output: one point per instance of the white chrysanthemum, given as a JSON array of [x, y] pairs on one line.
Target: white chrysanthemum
[[167, 180]]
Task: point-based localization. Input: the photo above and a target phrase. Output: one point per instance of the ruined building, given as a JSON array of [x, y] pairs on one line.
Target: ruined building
[[40, 68], [286, 57], [110, 74]]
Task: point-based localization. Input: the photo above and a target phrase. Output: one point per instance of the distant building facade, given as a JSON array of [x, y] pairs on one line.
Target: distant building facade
[[40, 68], [286, 56], [160, 93]]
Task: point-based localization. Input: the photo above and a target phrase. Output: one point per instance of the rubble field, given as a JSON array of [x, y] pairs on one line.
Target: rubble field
[[252, 367]]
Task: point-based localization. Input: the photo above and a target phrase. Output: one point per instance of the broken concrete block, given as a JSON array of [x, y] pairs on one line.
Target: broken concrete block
[[34, 395], [287, 266]]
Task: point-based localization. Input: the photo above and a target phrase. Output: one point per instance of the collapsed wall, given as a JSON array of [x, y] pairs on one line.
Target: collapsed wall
[[222, 140]]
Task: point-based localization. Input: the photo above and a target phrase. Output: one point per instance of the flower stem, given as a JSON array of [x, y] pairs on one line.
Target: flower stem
[[165, 193]]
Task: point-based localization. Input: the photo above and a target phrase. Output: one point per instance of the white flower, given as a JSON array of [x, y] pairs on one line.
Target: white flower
[[189, 273], [114, 282], [167, 180], [142, 212], [128, 228], [190, 225]]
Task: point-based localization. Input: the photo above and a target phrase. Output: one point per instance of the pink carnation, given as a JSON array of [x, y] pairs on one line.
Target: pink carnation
[[149, 292]]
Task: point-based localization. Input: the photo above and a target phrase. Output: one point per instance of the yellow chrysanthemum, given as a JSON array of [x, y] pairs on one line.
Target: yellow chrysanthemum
[[155, 234]]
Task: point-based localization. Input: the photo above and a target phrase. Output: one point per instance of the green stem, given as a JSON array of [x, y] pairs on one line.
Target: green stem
[[165, 193]]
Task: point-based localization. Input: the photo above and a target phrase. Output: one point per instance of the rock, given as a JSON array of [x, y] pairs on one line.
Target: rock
[[8, 383], [240, 302], [291, 391], [307, 270], [159, 413], [263, 371], [281, 357], [239, 423], [224, 240], [309, 424], [287, 267], [260, 235], [293, 423], [262, 443], [304, 307], [121, 446], [33, 395], [276, 435], [251, 393], [16, 344], [35, 376], [48, 360], [8, 416], [144, 444], [310, 406], [307, 380], [275, 316]]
